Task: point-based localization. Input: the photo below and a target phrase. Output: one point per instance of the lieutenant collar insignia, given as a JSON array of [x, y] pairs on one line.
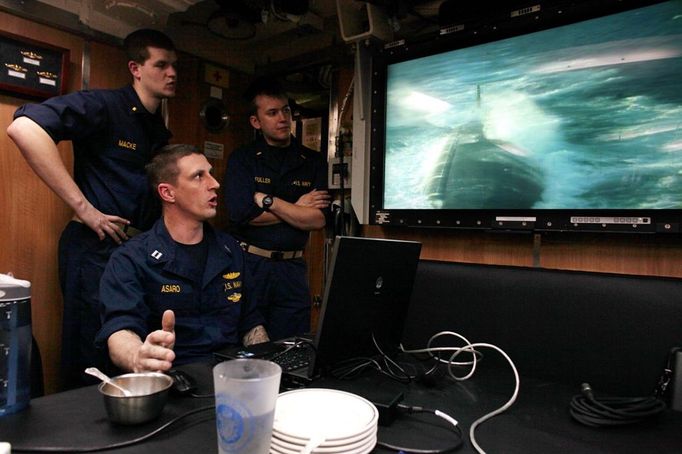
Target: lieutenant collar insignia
[[156, 254]]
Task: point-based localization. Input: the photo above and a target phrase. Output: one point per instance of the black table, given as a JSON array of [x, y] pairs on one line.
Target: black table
[[537, 423]]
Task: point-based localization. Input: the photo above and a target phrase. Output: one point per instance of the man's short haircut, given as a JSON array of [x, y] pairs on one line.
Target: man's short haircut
[[263, 86], [163, 167], [136, 44]]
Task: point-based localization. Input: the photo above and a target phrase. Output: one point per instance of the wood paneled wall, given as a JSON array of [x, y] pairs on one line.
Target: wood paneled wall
[[650, 255], [108, 67], [184, 122], [33, 217], [463, 246]]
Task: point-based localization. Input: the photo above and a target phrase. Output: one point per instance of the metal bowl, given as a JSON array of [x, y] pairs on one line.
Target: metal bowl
[[149, 394]]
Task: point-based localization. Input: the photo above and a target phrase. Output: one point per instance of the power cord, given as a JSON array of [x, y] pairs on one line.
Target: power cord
[[202, 396], [594, 411], [414, 409], [353, 367], [112, 445], [382, 363]]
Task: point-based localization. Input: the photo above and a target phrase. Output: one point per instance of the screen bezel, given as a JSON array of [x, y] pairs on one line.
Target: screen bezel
[[477, 31]]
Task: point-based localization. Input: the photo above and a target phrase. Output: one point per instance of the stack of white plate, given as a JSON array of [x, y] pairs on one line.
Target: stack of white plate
[[316, 420]]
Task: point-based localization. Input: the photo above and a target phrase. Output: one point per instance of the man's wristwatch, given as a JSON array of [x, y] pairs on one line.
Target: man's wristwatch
[[267, 202]]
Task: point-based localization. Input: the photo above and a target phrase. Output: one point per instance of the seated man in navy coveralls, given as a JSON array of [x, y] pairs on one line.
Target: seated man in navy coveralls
[[181, 286], [275, 192], [114, 133]]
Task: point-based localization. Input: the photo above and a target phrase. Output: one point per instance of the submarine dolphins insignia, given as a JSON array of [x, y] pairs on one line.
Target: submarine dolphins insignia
[[235, 297]]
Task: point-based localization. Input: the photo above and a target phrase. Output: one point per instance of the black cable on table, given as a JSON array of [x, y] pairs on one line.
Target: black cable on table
[[594, 411], [112, 445], [415, 409]]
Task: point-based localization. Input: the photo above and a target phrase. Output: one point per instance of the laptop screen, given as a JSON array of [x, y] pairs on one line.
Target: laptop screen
[[366, 295]]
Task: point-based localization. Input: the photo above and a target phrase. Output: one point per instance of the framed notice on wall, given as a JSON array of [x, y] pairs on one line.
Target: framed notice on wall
[[32, 68]]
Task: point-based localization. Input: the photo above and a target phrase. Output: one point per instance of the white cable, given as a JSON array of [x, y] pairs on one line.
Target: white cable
[[343, 104], [446, 417], [430, 350], [504, 407], [389, 362], [451, 361], [470, 348]]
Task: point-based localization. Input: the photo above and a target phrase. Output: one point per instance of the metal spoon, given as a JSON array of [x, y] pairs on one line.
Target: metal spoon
[[95, 372]]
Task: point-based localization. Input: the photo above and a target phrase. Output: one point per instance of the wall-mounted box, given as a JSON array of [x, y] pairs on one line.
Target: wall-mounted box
[[336, 168], [362, 20]]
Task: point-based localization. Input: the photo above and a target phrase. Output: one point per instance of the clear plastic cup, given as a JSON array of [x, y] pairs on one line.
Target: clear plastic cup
[[246, 392]]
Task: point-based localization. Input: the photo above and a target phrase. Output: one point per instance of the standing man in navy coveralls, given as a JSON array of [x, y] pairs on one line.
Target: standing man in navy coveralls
[[114, 133], [276, 193], [180, 286]]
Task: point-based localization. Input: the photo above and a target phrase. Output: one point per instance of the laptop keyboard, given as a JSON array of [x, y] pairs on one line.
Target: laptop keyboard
[[293, 359]]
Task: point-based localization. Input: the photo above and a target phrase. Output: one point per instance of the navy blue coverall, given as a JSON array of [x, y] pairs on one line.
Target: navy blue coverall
[[287, 173], [145, 277], [113, 137]]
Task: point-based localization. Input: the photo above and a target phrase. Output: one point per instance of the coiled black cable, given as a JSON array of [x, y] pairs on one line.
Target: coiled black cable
[[594, 411]]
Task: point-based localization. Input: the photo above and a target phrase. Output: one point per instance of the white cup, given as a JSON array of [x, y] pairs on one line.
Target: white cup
[[246, 392]]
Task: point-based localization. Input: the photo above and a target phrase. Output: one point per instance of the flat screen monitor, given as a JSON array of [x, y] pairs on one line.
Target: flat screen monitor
[[557, 116], [366, 298]]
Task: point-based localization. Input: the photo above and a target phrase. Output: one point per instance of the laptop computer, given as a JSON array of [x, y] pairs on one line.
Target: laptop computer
[[366, 298]]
